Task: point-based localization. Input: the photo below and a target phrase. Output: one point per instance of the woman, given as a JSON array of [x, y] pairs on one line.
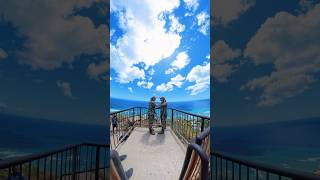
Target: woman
[[151, 114], [163, 114]]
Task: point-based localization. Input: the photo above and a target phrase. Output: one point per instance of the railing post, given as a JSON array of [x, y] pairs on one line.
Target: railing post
[[171, 118], [134, 115], [74, 162], [140, 116], [202, 124], [97, 163]]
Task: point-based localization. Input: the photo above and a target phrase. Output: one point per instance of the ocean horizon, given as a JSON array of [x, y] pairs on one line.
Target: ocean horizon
[[200, 107]]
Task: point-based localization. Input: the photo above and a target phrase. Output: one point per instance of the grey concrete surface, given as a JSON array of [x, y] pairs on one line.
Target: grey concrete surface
[[152, 157]]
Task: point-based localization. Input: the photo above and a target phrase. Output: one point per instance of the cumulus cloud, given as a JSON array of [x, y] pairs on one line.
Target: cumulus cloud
[[180, 62], [191, 5], [145, 84], [292, 45], [151, 71], [200, 75], [3, 54], [145, 40], [223, 56], [175, 81], [226, 11], [95, 70], [203, 21], [130, 89], [176, 26], [55, 35], [65, 88]]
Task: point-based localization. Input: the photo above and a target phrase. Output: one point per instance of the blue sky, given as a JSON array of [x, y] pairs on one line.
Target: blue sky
[[53, 60], [160, 48], [266, 61]]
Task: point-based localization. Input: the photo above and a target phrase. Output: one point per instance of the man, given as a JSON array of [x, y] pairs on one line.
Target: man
[[163, 114], [151, 114], [114, 123]]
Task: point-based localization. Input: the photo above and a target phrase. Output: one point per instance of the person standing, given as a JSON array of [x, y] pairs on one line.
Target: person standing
[[151, 114], [163, 114], [114, 123]]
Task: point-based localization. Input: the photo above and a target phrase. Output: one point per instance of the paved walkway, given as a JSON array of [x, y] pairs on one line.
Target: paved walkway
[[159, 156]]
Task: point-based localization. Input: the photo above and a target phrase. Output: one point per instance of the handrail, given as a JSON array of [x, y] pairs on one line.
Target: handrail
[[279, 171], [71, 160], [189, 113], [24, 159]]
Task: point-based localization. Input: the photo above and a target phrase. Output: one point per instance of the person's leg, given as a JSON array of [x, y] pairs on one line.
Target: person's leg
[[151, 119]]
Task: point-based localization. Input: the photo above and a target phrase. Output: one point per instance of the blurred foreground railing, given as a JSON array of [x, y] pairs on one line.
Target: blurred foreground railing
[[185, 125], [228, 167], [81, 161]]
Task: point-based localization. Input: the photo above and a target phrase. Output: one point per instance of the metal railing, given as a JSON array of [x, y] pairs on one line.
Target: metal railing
[[81, 161], [228, 167], [185, 125]]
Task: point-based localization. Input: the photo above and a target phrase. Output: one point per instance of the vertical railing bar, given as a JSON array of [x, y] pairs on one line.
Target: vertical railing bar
[[97, 163], [61, 165], [65, 162], [216, 167], [248, 173], [38, 169], [56, 172], [91, 158], [44, 167], [50, 166], [221, 168], [226, 169], [239, 171], [87, 162], [29, 171], [232, 170]]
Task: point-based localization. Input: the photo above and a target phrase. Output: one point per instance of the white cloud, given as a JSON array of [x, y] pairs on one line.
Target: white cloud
[[208, 57], [169, 71], [145, 84], [200, 75], [151, 71], [176, 26], [3, 54], [175, 81], [180, 62], [54, 34], [65, 87], [145, 39], [226, 11], [95, 70], [223, 54], [292, 45], [112, 31], [191, 5], [203, 21], [130, 89]]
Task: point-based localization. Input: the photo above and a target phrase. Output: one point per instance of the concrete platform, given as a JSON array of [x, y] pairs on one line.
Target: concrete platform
[[159, 156]]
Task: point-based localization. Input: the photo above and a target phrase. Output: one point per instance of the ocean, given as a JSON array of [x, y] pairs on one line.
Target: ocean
[[22, 136], [201, 107], [291, 144]]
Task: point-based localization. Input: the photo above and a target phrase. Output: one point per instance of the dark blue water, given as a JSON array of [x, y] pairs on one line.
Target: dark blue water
[[198, 107], [292, 144], [21, 136]]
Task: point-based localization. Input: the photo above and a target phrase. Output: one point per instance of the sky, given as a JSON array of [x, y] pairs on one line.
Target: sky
[[160, 49], [53, 59], [266, 61]]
